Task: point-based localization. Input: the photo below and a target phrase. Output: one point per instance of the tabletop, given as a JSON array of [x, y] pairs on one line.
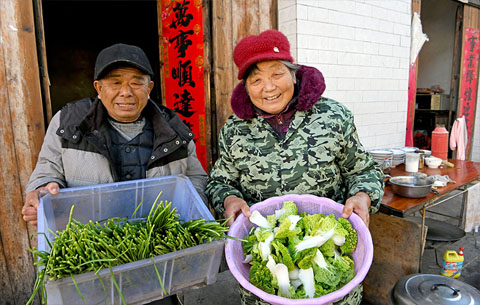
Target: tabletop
[[462, 173]]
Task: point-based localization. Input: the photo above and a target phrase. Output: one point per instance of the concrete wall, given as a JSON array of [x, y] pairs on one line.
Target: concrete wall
[[436, 56], [363, 49]]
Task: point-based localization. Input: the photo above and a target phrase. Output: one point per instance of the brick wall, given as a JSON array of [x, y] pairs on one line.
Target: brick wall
[[363, 48]]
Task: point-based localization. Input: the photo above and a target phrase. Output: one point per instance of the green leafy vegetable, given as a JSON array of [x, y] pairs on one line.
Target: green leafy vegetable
[[351, 238], [300, 256], [93, 246], [261, 277]]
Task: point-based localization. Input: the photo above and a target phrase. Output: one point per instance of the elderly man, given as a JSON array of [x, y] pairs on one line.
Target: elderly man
[[120, 135]]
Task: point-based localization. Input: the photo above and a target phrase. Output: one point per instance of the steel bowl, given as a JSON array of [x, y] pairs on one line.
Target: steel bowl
[[411, 186]]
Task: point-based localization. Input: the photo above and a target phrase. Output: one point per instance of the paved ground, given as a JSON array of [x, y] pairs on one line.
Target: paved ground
[[224, 291], [434, 250]]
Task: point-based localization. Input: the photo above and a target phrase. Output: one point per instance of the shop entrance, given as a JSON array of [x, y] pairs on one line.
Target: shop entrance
[[438, 69], [447, 67], [75, 31]]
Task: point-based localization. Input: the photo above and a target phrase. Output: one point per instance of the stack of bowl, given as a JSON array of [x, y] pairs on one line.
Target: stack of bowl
[[408, 149], [379, 155], [398, 156]]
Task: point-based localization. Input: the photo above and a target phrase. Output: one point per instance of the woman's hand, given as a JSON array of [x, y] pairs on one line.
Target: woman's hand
[[359, 204], [233, 207], [32, 200]]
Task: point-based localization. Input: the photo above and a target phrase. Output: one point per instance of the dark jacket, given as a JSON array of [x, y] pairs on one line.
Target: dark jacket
[[76, 149]]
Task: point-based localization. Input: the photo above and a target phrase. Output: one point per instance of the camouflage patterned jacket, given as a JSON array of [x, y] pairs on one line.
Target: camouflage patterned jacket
[[320, 155]]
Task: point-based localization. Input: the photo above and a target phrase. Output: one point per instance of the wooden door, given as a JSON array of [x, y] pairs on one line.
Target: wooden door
[[21, 131], [231, 21]]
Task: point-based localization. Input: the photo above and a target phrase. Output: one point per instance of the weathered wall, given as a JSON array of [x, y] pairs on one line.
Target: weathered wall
[[21, 134], [232, 20]]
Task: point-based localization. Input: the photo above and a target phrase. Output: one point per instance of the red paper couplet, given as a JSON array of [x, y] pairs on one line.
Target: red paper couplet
[[182, 50]]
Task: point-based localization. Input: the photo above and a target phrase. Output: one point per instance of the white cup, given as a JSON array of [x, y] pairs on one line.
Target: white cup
[[411, 162]]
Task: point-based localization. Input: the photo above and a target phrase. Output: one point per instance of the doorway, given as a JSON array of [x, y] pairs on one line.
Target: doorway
[[76, 31], [438, 69]]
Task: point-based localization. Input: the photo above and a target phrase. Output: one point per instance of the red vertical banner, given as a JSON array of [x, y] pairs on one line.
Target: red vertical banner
[[412, 90], [469, 79], [182, 52]]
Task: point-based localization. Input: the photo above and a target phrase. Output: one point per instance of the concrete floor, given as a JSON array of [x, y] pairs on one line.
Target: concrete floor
[[224, 290], [434, 250]]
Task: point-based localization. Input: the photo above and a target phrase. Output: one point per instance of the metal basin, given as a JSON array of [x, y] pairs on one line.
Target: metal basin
[[411, 186]]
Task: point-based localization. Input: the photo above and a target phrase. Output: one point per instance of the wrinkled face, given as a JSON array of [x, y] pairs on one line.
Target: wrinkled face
[[270, 86], [124, 92]]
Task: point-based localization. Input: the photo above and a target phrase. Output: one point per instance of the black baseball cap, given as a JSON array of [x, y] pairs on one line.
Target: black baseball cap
[[118, 54]]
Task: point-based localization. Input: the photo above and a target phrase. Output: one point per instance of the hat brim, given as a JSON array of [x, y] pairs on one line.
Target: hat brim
[[262, 57], [118, 63]]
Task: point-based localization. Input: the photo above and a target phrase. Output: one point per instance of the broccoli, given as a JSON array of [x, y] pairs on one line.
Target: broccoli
[[346, 277], [323, 289], [328, 223], [311, 222], [342, 262], [339, 235], [262, 234], [300, 293], [351, 239], [300, 256], [328, 248], [284, 230], [325, 273], [283, 255], [272, 221], [305, 258], [261, 277], [315, 241], [247, 245], [289, 208]]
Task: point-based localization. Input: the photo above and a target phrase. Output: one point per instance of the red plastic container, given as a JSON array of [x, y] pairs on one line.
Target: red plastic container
[[440, 142]]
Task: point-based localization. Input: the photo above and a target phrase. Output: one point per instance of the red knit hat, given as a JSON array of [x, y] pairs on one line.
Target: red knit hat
[[268, 45]]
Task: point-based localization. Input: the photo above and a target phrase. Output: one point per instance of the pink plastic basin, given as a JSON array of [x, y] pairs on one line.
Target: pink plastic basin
[[363, 254]]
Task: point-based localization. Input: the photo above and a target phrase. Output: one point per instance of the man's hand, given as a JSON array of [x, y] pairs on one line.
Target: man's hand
[[359, 204], [233, 207], [32, 200]]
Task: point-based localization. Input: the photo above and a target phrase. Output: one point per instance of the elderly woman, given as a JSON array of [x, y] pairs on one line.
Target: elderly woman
[[286, 138]]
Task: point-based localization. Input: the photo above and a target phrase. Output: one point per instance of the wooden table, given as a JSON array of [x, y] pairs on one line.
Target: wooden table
[[463, 173], [399, 242]]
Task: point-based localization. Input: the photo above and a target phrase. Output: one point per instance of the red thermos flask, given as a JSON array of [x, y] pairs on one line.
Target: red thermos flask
[[440, 142]]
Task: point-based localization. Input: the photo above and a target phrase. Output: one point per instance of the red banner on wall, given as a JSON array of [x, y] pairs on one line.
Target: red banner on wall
[[468, 93], [182, 53]]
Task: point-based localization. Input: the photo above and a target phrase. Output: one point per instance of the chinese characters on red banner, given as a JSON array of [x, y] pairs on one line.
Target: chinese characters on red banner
[[182, 53], [468, 94]]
